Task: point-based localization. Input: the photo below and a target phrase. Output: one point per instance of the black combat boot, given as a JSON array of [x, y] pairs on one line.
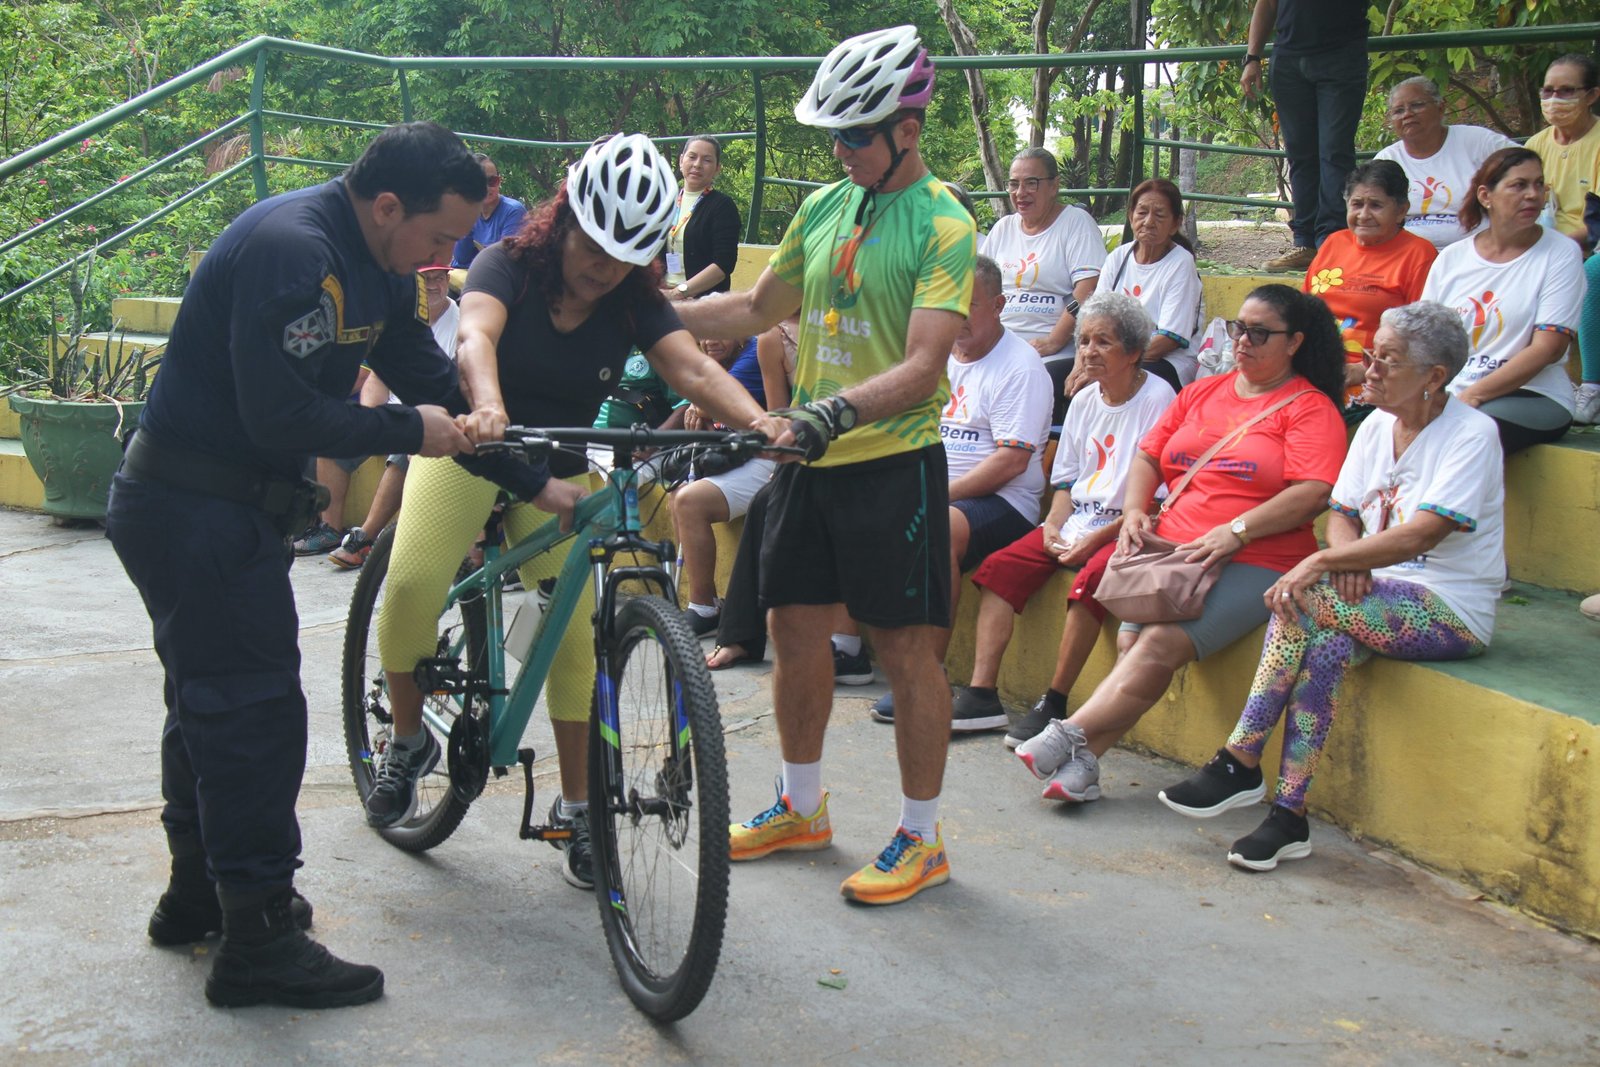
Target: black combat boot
[[188, 911], [266, 958]]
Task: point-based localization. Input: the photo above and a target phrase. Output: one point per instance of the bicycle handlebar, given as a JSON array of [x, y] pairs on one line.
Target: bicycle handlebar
[[539, 443]]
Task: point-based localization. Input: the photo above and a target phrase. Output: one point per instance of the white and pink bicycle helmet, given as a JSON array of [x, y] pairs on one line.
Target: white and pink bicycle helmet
[[624, 196], [867, 79]]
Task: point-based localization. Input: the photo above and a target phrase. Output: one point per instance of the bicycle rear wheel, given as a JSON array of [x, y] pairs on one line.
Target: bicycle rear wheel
[[658, 811], [367, 722]]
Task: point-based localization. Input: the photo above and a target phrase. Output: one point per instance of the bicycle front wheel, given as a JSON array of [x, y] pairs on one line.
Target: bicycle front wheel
[[367, 722], [658, 804]]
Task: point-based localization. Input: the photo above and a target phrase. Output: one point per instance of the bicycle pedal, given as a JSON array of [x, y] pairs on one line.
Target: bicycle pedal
[[551, 834]]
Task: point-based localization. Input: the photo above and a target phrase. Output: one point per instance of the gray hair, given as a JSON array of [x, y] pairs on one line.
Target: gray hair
[[1051, 168], [1419, 82], [1433, 334], [986, 272], [1128, 318]]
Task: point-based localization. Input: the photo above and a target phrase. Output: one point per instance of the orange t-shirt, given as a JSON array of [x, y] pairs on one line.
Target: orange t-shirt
[[1303, 441], [1359, 282]]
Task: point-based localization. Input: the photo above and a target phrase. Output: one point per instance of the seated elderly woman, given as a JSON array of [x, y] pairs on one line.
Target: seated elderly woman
[[1412, 571], [1248, 511], [1439, 160], [1373, 265], [1518, 288], [1157, 268], [1118, 404]]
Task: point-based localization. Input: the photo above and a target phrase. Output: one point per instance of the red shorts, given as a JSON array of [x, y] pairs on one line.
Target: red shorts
[[1016, 572]]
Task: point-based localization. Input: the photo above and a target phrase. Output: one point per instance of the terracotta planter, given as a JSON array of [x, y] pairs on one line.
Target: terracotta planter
[[74, 447]]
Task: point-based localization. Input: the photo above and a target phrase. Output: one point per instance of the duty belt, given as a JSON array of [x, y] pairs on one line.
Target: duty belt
[[290, 504]]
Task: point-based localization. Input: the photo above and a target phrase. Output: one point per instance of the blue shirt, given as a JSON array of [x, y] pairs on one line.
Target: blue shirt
[[505, 220]]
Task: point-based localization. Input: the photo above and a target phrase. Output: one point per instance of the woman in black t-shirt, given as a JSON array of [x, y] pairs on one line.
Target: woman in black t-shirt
[[548, 318]]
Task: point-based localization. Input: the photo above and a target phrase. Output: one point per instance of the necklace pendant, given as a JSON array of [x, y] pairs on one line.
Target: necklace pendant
[[831, 321]]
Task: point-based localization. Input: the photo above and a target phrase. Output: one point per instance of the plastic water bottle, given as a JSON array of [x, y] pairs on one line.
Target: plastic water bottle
[[524, 627]]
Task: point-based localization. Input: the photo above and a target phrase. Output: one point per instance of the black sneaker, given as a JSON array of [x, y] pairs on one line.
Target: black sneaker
[[851, 670], [1032, 724], [883, 708], [578, 869], [1221, 784], [700, 624], [265, 958], [183, 919], [972, 711], [1284, 836], [394, 794]]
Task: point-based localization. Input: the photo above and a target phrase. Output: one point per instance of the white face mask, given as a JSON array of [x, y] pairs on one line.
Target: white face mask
[[1557, 112]]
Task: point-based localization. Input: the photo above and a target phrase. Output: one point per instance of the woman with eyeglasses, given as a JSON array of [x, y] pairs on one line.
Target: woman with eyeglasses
[[1570, 149], [1248, 512], [1157, 269], [1438, 159], [1412, 571], [1518, 288], [1371, 265], [1050, 255], [703, 243]]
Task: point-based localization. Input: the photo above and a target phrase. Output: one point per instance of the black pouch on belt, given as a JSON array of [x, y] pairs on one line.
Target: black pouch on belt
[[289, 504]]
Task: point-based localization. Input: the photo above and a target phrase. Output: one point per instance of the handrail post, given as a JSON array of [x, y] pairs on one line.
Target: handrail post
[[405, 97], [752, 226], [258, 133], [1136, 165]]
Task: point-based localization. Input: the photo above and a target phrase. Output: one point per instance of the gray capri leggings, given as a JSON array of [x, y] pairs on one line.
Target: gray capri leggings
[[1526, 418], [1233, 608]]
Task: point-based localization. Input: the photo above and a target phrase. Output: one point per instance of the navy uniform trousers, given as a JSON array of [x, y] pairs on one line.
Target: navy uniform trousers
[[214, 576]]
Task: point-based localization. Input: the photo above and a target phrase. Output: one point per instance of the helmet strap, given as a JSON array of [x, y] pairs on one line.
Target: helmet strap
[[896, 154]]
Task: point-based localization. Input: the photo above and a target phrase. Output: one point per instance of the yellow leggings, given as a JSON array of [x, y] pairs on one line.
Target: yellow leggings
[[443, 510]]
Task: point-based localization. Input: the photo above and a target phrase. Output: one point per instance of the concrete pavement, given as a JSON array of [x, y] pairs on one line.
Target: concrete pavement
[[1115, 932]]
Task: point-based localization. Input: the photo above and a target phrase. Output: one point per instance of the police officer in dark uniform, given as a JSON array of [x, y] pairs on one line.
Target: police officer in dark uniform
[[287, 304]]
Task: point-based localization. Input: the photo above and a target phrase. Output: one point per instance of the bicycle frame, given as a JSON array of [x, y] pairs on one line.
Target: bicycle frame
[[604, 523]]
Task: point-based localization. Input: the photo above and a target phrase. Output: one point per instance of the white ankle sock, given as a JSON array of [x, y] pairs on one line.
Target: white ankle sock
[[802, 784], [567, 808], [410, 743], [921, 817], [705, 611], [849, 644]]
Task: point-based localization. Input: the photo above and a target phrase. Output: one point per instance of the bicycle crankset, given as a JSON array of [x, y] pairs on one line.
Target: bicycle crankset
[[468, 757]]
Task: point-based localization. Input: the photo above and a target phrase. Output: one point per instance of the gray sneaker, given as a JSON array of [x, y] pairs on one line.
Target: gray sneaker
[[1076, 780], [1051, 747], [394, 794], [578, 869], [971, 711], [1029, 726]]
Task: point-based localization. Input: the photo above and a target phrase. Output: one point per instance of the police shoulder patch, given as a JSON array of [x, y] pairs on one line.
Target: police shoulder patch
[[310, 331]]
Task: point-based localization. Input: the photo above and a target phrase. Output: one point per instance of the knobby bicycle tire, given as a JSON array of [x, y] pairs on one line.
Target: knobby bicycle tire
[[660, 837], [366, 724]]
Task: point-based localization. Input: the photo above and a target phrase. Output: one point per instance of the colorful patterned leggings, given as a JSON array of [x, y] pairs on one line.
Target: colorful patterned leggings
[[1304, 664]]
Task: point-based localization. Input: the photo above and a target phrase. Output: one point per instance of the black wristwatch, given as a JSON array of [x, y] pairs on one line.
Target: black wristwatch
[[1071, 305], [1251, 57]]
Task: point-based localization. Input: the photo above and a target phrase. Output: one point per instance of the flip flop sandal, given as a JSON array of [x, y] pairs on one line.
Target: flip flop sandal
[[742, 657]]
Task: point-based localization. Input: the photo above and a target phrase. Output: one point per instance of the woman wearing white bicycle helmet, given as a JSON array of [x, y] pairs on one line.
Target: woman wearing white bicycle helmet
[[548, 318]]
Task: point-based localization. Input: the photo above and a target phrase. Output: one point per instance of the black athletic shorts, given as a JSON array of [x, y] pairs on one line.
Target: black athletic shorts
[[873, 535]]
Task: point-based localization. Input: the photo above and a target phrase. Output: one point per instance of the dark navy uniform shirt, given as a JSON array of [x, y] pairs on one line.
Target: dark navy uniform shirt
[[280, 315]]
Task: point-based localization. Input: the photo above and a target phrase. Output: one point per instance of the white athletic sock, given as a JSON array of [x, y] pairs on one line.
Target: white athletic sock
[[921, 817], [849, 644], [705, 611], [410, 742], [568, 809], [802, 784]]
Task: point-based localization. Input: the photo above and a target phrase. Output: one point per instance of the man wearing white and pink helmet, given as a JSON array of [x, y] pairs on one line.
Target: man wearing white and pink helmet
[[880, 267]]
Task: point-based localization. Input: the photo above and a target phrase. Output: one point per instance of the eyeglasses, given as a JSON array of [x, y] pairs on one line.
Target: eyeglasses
[[1563, 92], [1030, 184], [1400, 111], [856, 138], [1258, 334], [1389, 365]]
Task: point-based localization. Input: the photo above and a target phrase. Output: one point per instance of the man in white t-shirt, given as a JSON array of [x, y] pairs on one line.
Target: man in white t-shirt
[[1439, 160], [444, 315], [994, 427]]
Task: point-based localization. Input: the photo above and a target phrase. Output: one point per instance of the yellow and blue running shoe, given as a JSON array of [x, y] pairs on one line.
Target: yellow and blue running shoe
[[778, 828], [902, 870]]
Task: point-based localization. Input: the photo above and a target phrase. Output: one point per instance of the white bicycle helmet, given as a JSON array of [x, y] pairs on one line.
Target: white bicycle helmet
[[868, 78], [624, 196]]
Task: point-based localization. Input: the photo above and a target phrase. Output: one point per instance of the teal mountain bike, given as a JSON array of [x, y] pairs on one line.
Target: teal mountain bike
[[658, 793]]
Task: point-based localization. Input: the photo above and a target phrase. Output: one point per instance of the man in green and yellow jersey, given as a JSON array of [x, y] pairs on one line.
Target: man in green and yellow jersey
[[880, 266]]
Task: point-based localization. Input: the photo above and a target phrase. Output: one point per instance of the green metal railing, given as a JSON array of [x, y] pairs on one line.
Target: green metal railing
[[256, 54]]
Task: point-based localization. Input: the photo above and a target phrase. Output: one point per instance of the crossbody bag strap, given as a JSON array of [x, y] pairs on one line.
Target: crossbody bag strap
[[1217, 446]]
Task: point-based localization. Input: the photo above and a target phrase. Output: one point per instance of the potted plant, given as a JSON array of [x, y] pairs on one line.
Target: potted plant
[[74, 417]]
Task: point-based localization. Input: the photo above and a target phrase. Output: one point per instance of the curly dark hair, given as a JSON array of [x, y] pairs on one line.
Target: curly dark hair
[[539, 243], [1320, 357]]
